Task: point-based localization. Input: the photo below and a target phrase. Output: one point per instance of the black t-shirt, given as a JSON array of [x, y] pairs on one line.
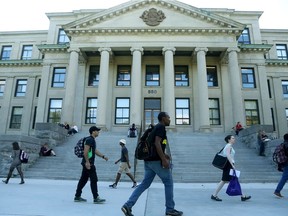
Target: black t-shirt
[[160, 131], [124, 151], [90, 141]]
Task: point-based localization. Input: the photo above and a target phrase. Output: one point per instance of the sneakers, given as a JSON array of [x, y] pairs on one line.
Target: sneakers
[[114, 185], [98, 200], [134, 185], [174, 212], [216, 198], [79, 199], [126, 210], [278, 194], [245, 198]]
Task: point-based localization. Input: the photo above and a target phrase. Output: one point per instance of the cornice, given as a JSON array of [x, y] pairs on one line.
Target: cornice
[[138, 31], [20, 63], [255, 47], [276, 62], [53, 48]]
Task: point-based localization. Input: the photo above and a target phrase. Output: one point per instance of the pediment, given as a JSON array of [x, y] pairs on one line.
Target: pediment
[[174, 17]]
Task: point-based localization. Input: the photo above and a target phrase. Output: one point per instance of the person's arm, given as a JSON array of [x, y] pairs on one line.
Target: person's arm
[[229, 157], [85, 155], [163, 157], [99, 154]]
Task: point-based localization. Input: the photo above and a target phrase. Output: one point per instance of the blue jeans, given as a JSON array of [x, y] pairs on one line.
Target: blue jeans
[[283, 180], [153, 168]]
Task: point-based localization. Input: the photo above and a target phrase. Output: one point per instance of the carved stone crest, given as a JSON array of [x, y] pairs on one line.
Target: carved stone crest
[[152, 17]]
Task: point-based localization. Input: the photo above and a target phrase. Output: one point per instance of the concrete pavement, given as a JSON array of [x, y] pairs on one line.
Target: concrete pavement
[[55, 197]]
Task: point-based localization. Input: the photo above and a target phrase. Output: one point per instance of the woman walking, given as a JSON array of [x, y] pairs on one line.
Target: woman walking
[[16, 163], [228, 152]]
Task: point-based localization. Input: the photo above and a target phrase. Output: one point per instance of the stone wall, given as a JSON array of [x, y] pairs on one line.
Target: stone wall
[[49, 133]]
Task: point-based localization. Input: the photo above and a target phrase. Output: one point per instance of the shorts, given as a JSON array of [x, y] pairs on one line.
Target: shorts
[[123, 167]]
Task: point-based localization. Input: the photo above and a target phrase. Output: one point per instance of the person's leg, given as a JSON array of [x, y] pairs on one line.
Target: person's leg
[[118, 176], [283, 180], [262, 148], [9, 174], [148, 179], [19, 169], [82, 181], [93, 181], [219, 187]]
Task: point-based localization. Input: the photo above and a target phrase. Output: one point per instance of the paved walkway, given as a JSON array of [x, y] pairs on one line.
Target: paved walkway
[[55, 197]]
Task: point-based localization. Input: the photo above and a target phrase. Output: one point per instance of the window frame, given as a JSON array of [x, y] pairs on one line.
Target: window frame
[[255, 119], [244, 38], [27, 52], [2, 87], [124, 72], [282, 51], [6, 54], [212, 74], [249, 78], [122, 119], [58, 77], [182, 111], [21, 88], [154, 72], [90, 116], [16, 119], [179, 72], [56, 119], [212, 110], [62, 36], [93, 78]]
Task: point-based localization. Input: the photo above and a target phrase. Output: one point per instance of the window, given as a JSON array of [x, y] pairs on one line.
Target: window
[[91, 111], [122, 111], [62, 37], [286, 112], [58, 79], [16, 117], [34, 117], [281, 51], [2, 87], [6, 52], [248, 78], [94, 75], [123, 75], [285, 88], [152, 75], [38, 88], [182, 112], [251, 112], [55, 109], [21, 87], [181, 75], [27, 52], [244, 37], [212, 76], [214, 111]]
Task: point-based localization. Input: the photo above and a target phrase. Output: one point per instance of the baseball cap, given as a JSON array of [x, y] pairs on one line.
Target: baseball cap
[[94, 128], [122, 141]]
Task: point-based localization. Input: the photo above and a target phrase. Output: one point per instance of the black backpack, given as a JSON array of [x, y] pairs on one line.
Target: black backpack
[[79, 148], [279, 156], [145, 148]]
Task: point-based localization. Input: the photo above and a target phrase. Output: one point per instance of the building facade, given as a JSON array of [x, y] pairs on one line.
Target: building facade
[[208, 68]]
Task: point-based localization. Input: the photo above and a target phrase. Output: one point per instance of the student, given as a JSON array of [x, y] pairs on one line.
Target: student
[[132, 132], [124, 165], [46, 151], [16, 163]]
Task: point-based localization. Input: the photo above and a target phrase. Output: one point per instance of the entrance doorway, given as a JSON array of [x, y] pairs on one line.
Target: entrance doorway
[[152, 107]]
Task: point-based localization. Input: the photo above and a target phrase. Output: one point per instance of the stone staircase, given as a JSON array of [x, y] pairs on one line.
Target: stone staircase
[[192, 155]]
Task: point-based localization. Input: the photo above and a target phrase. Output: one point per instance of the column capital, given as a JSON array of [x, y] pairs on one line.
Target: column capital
[[140, 49], [198, 49], [233, 49], [165, 49], [75, 49], [107, 49]]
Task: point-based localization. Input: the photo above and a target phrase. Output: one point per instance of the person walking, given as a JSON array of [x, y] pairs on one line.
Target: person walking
[[124, 165], [16, 163], [284, 177], [158, 165], [228, 152], [89, 169]]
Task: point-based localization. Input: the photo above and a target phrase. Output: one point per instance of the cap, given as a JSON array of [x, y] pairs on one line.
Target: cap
[[94, 128], [123, 141]]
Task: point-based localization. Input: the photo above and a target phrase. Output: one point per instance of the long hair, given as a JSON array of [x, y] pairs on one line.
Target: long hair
[[15, 146]]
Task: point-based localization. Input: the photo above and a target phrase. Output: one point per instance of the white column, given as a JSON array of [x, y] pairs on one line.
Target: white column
[[169, 86], [71, 83], [235, 81], [203, 98], [42, 99], [103, 87], [136, 86]]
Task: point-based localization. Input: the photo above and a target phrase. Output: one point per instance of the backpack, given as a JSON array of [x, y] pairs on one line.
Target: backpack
[[79, 148], [23, 156], [279, 156], [145, 148]]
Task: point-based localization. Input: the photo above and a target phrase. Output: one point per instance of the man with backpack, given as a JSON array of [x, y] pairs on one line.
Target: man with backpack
[[284, 165], [88, 167], [159, 164]]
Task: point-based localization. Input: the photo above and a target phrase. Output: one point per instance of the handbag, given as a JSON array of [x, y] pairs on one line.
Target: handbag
[[234, 188], [219, 161]]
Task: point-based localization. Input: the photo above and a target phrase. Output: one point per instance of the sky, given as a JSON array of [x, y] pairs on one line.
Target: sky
[[20, 15]]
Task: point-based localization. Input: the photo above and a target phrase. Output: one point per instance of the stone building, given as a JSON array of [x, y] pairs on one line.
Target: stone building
[[208, 68]]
